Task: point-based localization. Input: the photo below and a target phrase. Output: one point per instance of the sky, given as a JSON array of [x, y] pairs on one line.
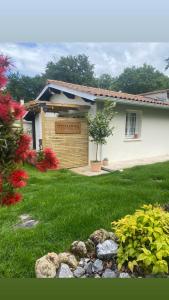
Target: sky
[[31, 58]]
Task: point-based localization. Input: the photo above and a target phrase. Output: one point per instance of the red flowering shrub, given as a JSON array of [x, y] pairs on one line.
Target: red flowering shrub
[[22, 150], [15, 146], [11, 198], [31, 157], [47, 160], [18, 178], [4, 66]]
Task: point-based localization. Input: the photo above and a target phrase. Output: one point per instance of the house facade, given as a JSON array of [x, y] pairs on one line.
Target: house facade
[[141, 125]]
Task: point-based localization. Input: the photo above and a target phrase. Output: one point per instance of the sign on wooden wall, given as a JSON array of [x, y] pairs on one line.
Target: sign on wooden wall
[[67, 127]]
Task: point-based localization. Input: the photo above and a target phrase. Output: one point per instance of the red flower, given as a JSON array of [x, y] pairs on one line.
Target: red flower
[[18, 110], [5, 108], [22, 151], [49, 161], [31, 157], [18, 178], [4, 65], [41, 166], [11, 198]]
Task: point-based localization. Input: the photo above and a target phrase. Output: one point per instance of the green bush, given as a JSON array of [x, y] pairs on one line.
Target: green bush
[[144, 240]]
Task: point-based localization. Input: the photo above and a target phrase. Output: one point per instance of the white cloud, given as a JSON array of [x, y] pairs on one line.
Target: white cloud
[[31, 58]]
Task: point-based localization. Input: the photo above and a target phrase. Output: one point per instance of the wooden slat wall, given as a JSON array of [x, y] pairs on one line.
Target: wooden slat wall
[[71, 149]]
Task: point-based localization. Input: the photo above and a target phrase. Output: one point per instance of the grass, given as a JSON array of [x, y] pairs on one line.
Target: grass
[[70, 207]]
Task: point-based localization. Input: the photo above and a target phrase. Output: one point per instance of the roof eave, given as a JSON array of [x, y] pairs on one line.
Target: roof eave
[[87, 96], [132, 102]]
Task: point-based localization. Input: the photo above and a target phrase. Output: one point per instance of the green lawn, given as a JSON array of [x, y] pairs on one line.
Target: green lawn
[[70, 207]]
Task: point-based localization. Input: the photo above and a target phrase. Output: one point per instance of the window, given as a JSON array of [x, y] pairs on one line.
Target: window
[[132, 128]]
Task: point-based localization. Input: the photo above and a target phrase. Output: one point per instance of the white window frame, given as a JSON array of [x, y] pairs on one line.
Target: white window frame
[[136, 134]]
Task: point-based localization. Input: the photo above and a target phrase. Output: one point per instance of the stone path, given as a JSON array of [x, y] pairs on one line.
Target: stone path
[[86, 170], [119, 166], [137, 162]]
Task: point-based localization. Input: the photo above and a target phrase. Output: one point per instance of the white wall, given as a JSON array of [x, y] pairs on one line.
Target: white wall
[[27, 128], [154, 139], [61, 98], [38, 129]]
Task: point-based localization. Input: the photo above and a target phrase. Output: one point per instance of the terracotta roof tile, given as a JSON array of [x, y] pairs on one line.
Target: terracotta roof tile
[[98, 92]]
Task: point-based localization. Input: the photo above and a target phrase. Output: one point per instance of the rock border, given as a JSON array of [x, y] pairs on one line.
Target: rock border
[[94, 258]]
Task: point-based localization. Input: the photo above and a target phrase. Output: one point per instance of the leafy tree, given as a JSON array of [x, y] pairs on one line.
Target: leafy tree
[[140, 80], [167, 63], [105, 81], [74, 69], [24, 87], [99, 125]]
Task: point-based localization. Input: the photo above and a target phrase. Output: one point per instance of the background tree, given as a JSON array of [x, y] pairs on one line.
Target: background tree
[[74, 69], [105, 81], [25, 87], [79, 70], [167, 63], [140, 80]]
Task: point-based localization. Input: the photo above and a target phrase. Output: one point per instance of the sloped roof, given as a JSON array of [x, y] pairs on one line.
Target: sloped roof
[[107, 93]]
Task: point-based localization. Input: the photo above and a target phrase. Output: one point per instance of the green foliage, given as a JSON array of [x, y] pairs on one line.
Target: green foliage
[[74, 69], [99, 126], [167, 63], [140, 80], [78, 69], [144, 240], [105, 81], [25, 87]]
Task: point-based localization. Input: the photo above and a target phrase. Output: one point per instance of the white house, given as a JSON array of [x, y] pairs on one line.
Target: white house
[[141, 125]]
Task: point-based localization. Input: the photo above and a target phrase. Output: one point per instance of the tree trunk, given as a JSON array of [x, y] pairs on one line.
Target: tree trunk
[[96, 150]]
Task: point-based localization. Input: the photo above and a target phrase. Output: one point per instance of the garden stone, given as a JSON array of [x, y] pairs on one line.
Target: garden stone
[[79, 272], [46, 266], [79, 248], [108, 273], [28, 224], [107, 249], [83, 262], [88, 268], [112, 236], [64, 272], [90, 246], [97, 276], [69, 259], [25, 217], [108, 264], [97, 266], [99, 236], [124, 275]]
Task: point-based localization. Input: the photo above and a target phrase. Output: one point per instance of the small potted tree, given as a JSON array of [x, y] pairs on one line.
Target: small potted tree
[[105, 161], [100, 128]]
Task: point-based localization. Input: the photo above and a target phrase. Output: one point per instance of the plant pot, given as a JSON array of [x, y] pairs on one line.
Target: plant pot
[[95, 166], [105, 163]]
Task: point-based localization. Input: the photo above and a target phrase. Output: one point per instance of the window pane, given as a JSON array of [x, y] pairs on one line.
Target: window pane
[[130, 128]]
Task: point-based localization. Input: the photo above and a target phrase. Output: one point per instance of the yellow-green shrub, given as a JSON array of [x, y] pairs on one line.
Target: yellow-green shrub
[[144, 240]]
